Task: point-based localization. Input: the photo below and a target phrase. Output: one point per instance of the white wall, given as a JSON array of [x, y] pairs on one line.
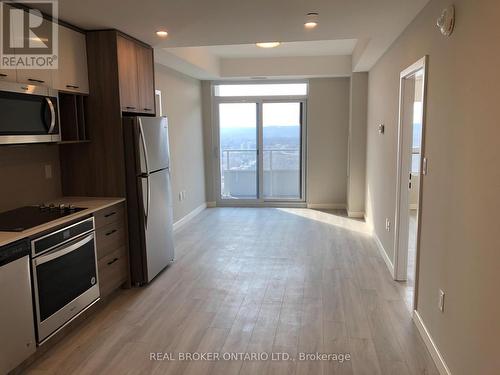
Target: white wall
[[181, 102], [299, 66], [327, 131], [459, 236], [357, 145]]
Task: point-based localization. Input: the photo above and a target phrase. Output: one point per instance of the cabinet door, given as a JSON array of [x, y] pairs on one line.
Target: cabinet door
[[8, 75], [72, 73], [145, 79], [41, 77], [127, 72]]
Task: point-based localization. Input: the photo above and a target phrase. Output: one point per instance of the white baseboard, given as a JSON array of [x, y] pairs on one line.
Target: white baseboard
[[431, 345], [383, 253], [327, 206], [190, 216], [356, 214], [211, 204]]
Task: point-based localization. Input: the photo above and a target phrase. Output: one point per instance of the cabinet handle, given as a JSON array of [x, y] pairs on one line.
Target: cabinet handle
[[110, 214], [36, 80], [112, 261], [147, 109], [25, 87], [128, 107], [111, 232], [72, 86], [3, 75]]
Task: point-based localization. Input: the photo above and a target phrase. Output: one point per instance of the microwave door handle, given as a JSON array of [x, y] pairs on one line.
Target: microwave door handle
[[52, 114], [56, 253]]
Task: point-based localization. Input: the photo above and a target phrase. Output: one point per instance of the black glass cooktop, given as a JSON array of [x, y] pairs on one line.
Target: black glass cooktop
[[27, 217]]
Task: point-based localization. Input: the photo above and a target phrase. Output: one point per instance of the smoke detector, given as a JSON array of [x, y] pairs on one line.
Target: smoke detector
[[446, 22]]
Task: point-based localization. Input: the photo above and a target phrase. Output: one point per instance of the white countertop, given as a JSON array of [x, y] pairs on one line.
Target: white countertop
[[92, 205]]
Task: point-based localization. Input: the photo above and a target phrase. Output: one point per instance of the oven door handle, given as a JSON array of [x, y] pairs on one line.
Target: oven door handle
[[56, 253]]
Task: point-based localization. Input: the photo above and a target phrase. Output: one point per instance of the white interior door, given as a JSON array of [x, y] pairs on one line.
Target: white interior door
[[410, 172]]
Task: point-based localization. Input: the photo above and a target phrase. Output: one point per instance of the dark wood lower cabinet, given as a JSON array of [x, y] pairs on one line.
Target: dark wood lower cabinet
[[112, 249]]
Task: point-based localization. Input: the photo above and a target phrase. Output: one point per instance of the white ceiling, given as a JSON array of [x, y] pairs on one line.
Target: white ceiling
[[286, 49], [191, 23]]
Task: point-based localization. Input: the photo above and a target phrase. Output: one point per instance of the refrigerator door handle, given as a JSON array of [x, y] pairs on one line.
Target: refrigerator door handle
[[148, 202], [144, 148]]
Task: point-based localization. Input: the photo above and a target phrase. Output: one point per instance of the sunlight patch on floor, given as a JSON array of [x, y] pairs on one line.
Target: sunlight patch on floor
[[330, 218]]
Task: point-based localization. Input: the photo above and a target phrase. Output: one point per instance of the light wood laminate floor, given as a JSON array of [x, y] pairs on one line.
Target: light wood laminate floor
[[255, 280]]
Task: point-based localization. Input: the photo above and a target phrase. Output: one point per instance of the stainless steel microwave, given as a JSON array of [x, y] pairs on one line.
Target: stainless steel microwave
[[28, 114]]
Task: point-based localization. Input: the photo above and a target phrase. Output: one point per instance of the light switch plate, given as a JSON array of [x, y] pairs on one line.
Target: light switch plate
[[441, 300], [48, 171]]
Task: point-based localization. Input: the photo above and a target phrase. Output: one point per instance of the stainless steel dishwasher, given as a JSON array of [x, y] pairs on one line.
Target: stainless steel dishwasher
[[17, 328]]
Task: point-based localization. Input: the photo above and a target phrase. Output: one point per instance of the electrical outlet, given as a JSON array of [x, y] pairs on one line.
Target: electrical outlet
[[441, 301], [48, 171], [387, 224]]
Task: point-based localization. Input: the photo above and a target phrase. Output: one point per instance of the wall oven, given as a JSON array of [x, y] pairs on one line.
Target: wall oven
[[65, 280], [28, 114]]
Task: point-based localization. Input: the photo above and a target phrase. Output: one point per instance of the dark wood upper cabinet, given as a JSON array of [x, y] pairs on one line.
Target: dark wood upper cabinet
[[127, 73], [145, 75], [121, 79], [135, 68]]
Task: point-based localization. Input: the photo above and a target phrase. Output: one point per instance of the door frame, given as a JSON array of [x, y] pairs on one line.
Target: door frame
[[401, 253], [260, 201]]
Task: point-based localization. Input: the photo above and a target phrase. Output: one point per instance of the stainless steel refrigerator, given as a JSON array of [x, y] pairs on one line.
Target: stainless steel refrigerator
[[149, 196]]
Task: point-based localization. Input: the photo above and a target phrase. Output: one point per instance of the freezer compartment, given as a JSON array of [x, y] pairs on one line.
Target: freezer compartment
[[152, 144]]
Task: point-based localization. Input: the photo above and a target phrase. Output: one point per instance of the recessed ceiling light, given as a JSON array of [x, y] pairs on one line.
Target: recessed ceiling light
[[162, 33], [267, 44], [311, 20]]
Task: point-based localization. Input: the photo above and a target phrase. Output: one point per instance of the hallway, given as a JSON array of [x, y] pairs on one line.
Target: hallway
[[255, 280]]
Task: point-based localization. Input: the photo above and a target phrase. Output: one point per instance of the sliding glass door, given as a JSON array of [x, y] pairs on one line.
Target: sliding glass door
[[261, 150], [281, 145], [238, 139]]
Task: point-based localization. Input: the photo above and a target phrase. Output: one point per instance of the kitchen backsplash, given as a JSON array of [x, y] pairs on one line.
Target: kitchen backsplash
[[29, 174]]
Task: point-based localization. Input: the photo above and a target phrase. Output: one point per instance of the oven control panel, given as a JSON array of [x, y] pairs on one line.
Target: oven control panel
[[56, 238]]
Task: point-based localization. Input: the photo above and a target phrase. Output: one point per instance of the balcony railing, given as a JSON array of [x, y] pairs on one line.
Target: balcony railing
[[281, 173]]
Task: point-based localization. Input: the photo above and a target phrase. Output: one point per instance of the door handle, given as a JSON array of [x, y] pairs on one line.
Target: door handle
[[36, 80], [52, 115], [63, 250], [146, 204], [144, 147], [112, 261]]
